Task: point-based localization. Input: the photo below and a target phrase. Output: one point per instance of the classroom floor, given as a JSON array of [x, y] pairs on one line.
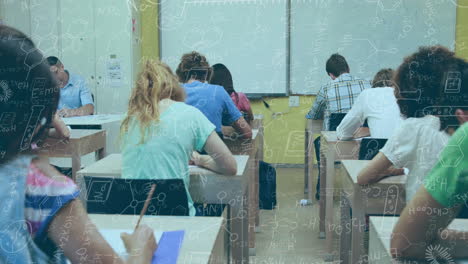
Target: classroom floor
[[289, 234]]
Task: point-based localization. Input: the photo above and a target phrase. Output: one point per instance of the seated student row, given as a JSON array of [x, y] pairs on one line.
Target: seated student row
[[154, 107], [431, 112]]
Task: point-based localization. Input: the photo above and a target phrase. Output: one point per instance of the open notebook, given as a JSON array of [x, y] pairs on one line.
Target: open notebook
[[169, 244]]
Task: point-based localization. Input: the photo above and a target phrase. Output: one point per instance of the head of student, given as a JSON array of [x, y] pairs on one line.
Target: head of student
[[193, 66], [222, 76], [336, 65], [154, 83], [383, 78], [433, 81], [57, 68], [28, 94]]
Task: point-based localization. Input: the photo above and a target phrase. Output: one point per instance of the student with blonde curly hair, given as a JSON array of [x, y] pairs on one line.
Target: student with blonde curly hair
[[160, 133]]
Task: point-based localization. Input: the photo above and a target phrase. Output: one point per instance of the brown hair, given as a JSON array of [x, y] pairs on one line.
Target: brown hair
[[193, 65], [432, 81], [28, 94], [336, 65], [383, 78], [155, 83]]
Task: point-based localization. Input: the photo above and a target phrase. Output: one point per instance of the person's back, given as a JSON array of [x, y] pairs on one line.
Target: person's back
[[338, 95], [160, 135], [165, 154], [212, 100], [377, 105], [417, 143]]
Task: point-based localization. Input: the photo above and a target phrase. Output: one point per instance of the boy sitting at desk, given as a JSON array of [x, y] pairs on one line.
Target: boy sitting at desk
[[336, 96], [75, 96]]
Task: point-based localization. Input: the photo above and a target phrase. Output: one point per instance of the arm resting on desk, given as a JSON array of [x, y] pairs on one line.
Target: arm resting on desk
[[242, 127], [219, 158], [423, 222], [379, 167]]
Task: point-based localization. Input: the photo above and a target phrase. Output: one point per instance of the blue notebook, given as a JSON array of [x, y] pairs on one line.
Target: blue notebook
[[169, 247]]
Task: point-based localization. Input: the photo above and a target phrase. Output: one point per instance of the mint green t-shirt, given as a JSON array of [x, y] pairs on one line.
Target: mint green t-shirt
[[447, 183], [168, 147]]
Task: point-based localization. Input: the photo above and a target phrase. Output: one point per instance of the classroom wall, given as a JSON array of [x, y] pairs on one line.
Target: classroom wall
[[461, 45], [284, 135], [149, 29]]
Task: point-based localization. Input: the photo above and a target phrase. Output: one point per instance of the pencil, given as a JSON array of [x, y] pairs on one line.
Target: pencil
[[145, 206]]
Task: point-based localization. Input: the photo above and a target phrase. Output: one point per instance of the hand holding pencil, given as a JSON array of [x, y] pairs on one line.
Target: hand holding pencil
[[141, 244]]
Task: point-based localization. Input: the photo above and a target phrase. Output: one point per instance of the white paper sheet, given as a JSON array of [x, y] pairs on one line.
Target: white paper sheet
[[112, 236]]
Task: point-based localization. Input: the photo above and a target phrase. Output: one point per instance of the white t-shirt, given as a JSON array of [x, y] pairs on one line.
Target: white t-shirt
[[416, 145], [379, 107]]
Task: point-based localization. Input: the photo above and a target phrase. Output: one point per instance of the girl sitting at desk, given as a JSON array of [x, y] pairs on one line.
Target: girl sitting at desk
[[428, 84], [222, 77], [160, 133], [42, 220]]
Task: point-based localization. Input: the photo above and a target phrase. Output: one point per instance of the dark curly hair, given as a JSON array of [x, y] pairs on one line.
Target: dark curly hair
[[193, 65], [432, 81], [383, 78], [29, 93]]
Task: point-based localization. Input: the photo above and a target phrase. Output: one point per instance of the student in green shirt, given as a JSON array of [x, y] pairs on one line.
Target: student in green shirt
[[424, 220], [161, 134]]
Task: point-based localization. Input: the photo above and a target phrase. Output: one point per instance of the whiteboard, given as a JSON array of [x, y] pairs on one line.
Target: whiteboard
[[249, 37], [370, 34]]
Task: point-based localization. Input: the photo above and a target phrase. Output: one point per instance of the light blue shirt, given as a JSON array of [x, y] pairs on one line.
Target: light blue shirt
[[214, 102], [75, 93], [168, 146]]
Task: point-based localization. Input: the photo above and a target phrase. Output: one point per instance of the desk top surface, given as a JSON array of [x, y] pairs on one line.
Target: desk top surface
[[111, 166], [200, 232], [383, 226], [81, 133], [93, 119], [354, 167]]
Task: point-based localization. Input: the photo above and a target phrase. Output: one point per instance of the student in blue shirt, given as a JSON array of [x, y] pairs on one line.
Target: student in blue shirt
[[75, 96], [212, 100]]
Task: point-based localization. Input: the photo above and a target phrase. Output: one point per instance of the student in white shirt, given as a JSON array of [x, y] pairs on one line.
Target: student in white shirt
[[432, 84], [377, 105]]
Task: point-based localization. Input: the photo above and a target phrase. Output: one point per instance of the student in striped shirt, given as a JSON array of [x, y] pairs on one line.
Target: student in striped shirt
[[41, 219]]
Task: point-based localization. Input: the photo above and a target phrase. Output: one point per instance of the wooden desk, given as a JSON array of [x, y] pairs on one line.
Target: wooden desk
[[254, 149], [386, 197], [108, 122], [205, 187], [380, 229], [331, 150], [204, 239], [312, 127], [81, 142]]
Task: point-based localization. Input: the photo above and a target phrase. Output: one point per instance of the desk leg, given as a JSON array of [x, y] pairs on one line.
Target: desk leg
[[329, 192], [259, 157], [239, 231], [358, 226], [76, 165], [345, 237], [100, 154], [306, 164], [323, 182], [251, 205]]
